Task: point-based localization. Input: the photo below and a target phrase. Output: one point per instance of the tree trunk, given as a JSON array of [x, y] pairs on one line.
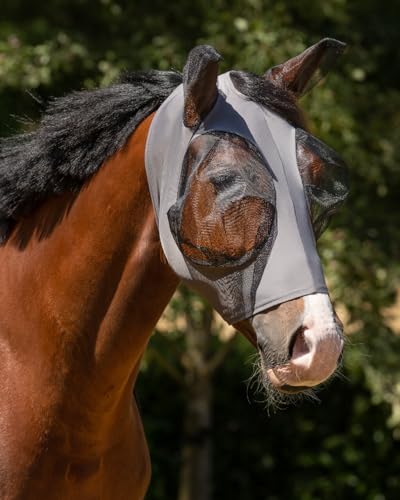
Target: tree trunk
[[196, 469]]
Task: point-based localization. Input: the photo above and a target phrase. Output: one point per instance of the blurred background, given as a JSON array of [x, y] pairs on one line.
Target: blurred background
[[210, 437]]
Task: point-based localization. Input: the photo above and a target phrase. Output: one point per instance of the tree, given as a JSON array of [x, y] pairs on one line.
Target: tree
[[194, 346]]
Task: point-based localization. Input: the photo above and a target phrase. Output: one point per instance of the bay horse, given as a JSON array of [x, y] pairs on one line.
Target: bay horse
[[84, 278]]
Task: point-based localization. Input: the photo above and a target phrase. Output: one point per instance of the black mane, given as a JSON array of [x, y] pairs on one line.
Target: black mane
[[264, 92], [76, 135], [80, 131]]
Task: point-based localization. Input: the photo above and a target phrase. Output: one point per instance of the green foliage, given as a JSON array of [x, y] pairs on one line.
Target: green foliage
[[347, 447], [340, 448]]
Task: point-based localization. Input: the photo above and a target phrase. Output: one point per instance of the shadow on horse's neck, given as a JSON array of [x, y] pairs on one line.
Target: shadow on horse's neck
[[93, 264]]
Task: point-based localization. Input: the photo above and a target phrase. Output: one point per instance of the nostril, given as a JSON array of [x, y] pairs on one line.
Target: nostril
[[297, 344]]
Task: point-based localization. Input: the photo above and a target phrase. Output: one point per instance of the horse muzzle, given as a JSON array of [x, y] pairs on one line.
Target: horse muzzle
[[312, 359], [298, 350]]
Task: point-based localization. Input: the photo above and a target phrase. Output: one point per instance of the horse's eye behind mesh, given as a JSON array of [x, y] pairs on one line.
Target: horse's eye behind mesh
[[226, 211], [324, 176]]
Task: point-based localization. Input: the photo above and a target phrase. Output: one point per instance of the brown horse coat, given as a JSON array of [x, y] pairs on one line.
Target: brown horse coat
[[69, 427]]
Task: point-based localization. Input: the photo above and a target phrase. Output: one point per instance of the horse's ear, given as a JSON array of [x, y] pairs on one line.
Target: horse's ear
[[200, 84], [302, 72]]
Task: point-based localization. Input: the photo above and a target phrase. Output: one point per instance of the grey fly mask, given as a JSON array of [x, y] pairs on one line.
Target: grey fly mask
[[246, 158]]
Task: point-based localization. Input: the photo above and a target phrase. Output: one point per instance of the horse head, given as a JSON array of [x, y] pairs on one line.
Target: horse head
[[242, 191]]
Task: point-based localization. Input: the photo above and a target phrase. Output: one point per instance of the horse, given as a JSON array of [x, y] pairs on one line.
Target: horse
[[85, 276]]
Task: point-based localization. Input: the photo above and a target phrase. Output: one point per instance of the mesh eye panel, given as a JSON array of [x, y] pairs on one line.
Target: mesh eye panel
[[225, 212], [324, 176]]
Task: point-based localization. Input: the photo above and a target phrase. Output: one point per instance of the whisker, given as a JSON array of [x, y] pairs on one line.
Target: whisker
[[273, 400]]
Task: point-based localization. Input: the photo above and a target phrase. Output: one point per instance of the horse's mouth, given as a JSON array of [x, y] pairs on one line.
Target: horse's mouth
[[289, 389], [308, 361], [279, 384]]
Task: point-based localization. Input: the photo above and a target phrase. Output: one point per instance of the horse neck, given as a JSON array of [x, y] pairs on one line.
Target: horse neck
[[93, 266]]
